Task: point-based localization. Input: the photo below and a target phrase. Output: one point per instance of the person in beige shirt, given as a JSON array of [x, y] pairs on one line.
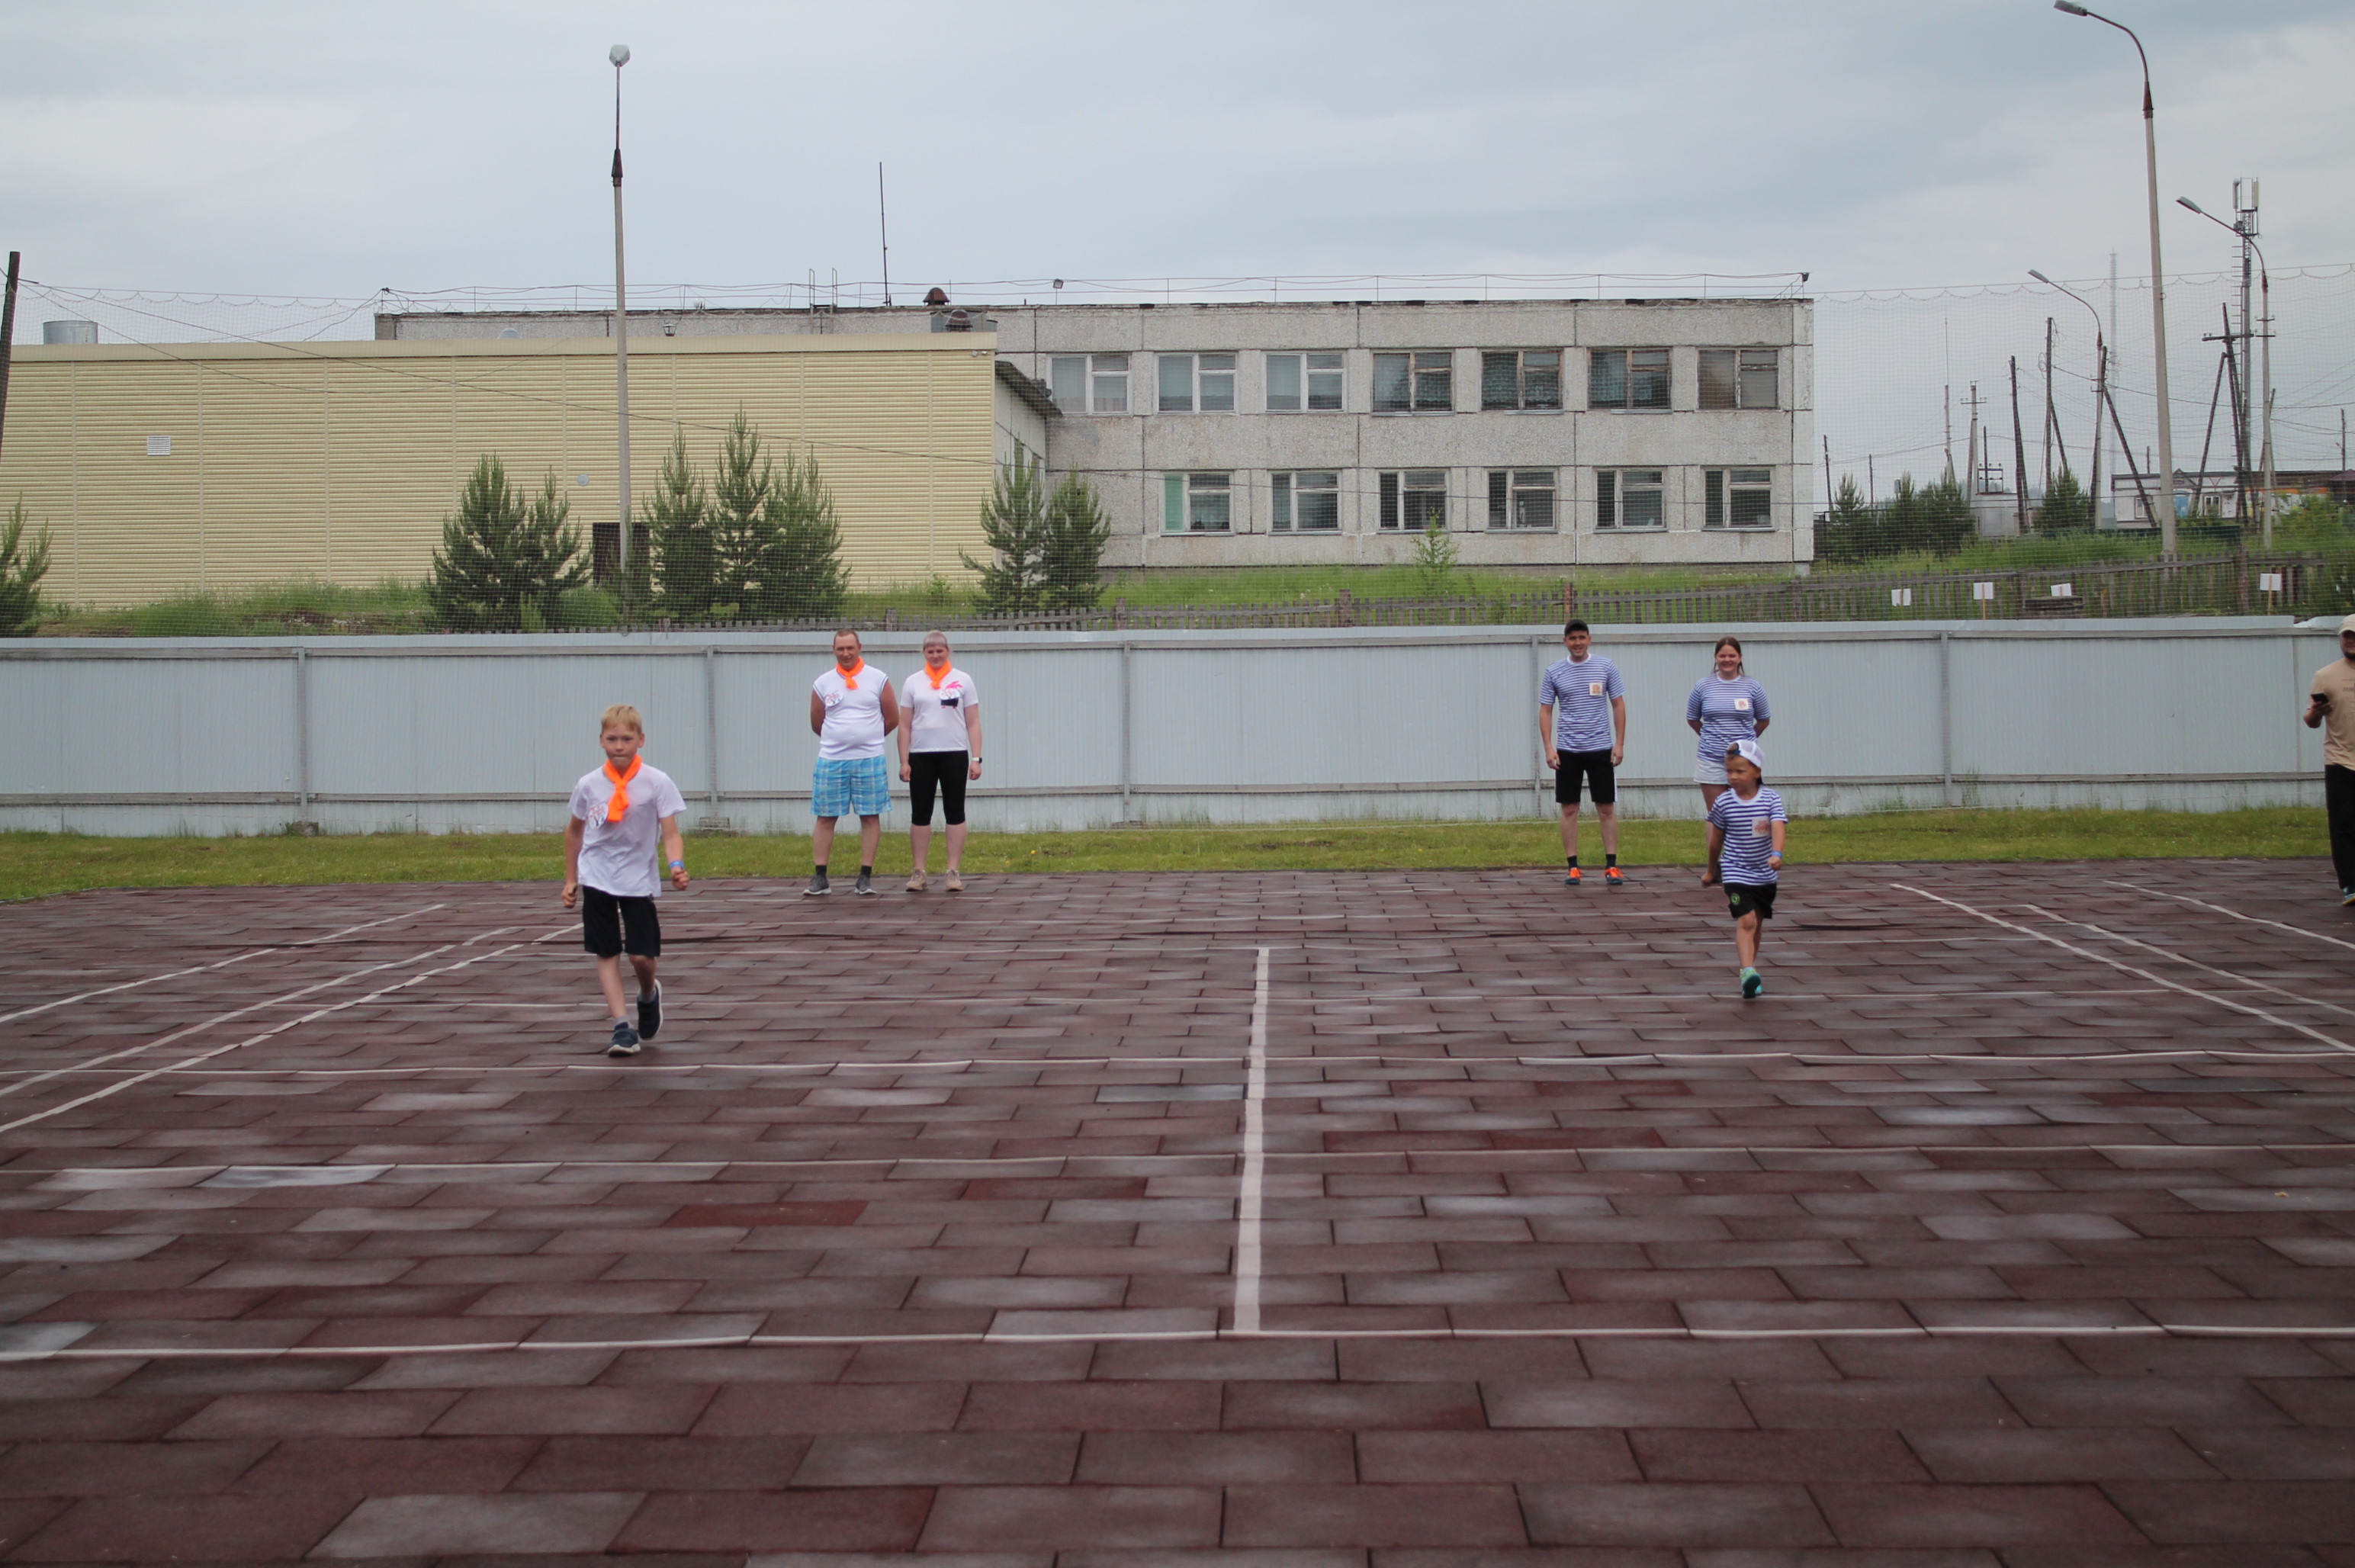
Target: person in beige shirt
[[2331, 707]]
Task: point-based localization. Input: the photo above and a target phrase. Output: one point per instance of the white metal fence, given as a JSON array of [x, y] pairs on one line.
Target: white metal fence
[[435, 734]]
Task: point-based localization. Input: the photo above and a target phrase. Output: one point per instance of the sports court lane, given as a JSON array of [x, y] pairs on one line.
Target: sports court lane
[[1991, 1228]]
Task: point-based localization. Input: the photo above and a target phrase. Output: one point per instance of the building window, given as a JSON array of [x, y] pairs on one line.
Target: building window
[[1737, 499], [1308, 503], [1520, 378], [1421, 382], [1196, 503], [1088, 383], [1628, 498], [1627, 378], [1414, 499], [1520, 498], [1203, 382], [1737, 379], [1298, 381]]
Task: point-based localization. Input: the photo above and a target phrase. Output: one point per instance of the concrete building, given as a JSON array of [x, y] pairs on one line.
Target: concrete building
[[1541, 434]]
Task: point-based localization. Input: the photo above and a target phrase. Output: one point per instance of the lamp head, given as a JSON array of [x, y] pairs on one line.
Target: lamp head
[[2071, 6], [2185, 201], [619, 54], [2041, 278]]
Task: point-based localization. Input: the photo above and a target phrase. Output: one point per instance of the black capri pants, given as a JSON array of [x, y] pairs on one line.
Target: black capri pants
[[943, 770]]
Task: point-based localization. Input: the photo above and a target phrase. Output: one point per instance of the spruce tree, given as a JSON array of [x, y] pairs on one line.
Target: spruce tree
[[744, 530], [801, 575], [1013, 526], [1073, 536], [1946, 522], [21, 570], [679, 521], [1847, 532], [504, 559], [2067, 509]]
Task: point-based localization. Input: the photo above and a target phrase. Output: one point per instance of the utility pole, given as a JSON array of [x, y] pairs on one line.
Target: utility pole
[[1976, 481], [8, 339], [619, 54], [2019, 453], [1950, 432], [883, 226], [2047, 410]]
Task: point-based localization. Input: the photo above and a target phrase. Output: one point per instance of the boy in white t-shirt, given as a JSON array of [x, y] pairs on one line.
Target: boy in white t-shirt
[[609, 868]]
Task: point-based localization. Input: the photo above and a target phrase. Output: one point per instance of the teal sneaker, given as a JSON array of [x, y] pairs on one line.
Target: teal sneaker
[[1754, 983]]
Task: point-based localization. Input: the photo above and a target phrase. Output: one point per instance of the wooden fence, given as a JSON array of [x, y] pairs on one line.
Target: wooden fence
[[2224, 585]]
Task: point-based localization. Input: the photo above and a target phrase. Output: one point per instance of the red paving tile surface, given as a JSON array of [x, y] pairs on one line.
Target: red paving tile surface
[[2014, 1228]]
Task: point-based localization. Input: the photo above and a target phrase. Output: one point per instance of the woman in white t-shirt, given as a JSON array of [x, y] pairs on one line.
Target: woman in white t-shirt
[[940, 749]]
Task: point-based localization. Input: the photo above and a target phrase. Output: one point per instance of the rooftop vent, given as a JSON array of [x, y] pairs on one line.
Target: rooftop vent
[[69, 331]]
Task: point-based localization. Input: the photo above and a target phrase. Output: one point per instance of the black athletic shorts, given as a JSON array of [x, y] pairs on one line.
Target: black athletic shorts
[[611, 925], [1592, 767], [943, 770], [1741, 899]]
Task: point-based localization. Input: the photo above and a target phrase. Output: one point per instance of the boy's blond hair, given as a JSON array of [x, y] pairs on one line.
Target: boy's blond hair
[[622, 716]]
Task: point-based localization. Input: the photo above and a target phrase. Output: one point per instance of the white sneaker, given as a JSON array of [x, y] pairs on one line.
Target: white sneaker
[[917, 883]]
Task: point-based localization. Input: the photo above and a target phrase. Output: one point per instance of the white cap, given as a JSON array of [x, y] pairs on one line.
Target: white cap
[[2346, 626], [1750, 750]]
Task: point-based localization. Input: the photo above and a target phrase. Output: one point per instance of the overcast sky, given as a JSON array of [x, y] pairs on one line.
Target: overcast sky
[[329, 149]]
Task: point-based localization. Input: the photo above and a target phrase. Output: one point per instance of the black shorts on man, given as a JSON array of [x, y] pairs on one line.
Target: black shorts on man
[[1743, 899], [1592, 767], [611, 925]]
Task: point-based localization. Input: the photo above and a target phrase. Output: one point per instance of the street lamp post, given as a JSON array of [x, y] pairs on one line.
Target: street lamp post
[[2157, 286], [2101, 386], [2260, 329], [620, 56]]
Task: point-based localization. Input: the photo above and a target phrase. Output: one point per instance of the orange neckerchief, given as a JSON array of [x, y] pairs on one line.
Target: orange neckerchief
[[936, 679], [850, 676], [620, 805]]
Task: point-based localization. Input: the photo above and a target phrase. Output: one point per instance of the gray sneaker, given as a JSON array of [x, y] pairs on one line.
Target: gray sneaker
[[625, 1040], [650, 1013], [819, 886], [865, 885]]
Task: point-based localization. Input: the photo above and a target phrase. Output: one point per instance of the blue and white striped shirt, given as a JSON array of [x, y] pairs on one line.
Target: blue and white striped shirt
[[1579, 695], [1729, 710], [1748, 838]]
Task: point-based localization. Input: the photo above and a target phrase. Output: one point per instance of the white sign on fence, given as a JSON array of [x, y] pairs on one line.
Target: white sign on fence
[[1901, 596], [2269, 583], [1982, 590], [2060, 591]]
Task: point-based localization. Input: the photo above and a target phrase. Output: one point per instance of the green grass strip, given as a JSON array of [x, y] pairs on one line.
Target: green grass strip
[[36, 864]]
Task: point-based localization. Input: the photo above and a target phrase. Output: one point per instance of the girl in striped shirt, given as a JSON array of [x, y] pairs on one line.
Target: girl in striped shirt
[[1746, 825]]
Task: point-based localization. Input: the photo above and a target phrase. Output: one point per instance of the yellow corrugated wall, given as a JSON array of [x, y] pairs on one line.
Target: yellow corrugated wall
[[340, 461]]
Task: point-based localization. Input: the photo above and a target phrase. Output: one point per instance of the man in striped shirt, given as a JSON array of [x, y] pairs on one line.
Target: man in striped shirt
[[1746, 825]]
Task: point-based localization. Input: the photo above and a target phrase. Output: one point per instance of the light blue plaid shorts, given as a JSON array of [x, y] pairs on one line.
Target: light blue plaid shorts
[[850, 786]]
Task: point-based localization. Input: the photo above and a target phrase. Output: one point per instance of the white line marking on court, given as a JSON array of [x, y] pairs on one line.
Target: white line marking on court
[[44, 1075], [72, 1352], [1054, 1165], [2179, 958], [1254, 1172], [201, 968], [1600, 1059], [2157, 979], [2236, 915], [117, 1088]]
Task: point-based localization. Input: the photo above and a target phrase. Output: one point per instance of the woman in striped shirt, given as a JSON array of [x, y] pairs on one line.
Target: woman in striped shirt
[[1725, 705]]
